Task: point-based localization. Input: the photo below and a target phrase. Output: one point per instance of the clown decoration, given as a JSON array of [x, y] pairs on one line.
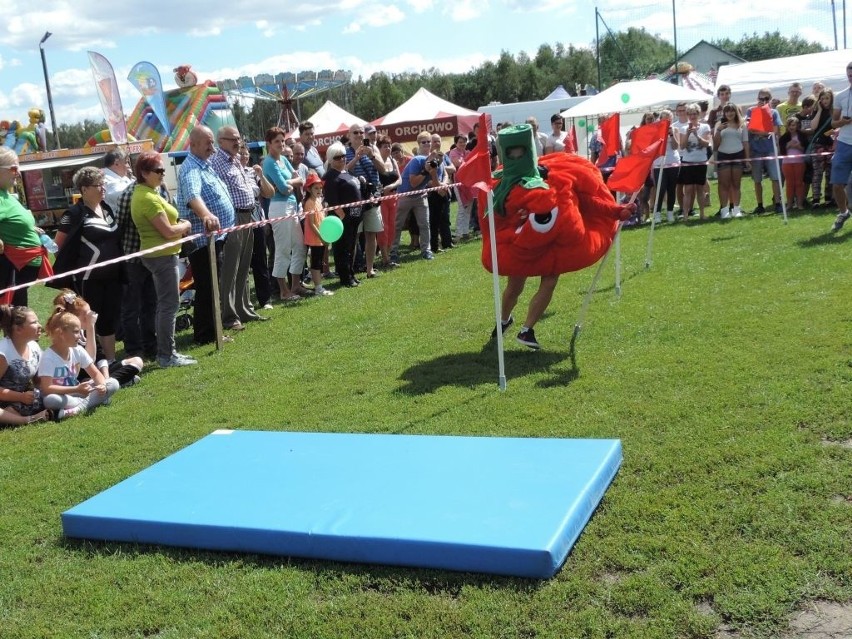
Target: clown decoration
[[553, 214]]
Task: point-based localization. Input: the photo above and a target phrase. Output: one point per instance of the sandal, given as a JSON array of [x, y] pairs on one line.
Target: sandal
[[291, 298]]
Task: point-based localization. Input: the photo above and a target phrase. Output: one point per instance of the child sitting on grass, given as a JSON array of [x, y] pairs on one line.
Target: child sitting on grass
[[20, 354], [60, 366], [125, 371]]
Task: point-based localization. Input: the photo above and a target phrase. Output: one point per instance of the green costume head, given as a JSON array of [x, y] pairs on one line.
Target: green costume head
[[516, 147]]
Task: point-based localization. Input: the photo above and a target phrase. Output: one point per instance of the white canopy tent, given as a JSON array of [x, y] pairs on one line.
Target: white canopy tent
[[330, 122], [634, 96], [746, 79]]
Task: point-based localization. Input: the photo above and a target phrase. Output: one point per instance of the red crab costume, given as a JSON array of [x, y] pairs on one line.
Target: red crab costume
[[551, 221]]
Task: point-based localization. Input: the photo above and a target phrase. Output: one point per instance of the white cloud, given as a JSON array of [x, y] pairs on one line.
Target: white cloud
[[27, 95], [465, 10]]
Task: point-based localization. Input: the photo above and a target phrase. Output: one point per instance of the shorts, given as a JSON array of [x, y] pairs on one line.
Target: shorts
[[761, 167], [841, 164], [729, 160], [372, 221], [692, 174]]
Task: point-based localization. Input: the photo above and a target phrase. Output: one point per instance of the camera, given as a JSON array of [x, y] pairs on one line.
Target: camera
[[724, 120], [433, 164]]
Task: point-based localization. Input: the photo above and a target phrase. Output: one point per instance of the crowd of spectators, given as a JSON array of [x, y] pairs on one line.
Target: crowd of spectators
[[125, 208]]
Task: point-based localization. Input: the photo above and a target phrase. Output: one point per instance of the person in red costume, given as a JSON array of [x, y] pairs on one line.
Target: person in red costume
[[553, 215]]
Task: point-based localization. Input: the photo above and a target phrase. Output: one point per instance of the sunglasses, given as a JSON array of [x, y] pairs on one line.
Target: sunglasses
[[14, 168], [763, 98], [160, 171], [99, 185], [357, 132], [339, 157]]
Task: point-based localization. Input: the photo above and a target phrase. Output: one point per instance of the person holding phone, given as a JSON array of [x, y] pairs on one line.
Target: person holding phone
[[730, 139]]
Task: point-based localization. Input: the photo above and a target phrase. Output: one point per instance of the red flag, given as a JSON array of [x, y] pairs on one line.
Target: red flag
[[630, 172], [475, 171], [761, 119], [571, 140], [644, 136], [611, 138]]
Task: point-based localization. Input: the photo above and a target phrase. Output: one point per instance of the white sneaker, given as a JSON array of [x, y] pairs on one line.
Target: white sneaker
[[670, 217], [658, 217], [737, 212], [725, 213]]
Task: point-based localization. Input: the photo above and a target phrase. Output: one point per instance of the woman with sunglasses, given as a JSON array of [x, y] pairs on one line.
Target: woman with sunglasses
[[340, 189], [88, 236], [22, 253], [157, 222]]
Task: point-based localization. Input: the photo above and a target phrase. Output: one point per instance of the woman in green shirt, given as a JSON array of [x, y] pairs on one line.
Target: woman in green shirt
[[21, 263], [157, 222]]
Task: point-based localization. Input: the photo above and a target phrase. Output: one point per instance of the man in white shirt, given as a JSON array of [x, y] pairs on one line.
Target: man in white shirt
[[841, 164], [117, 177]]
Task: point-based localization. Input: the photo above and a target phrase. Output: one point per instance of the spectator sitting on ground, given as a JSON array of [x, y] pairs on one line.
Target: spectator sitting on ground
[[20, 355]]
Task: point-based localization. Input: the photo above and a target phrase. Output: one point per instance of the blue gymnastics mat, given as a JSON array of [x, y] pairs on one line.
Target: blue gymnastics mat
[[507, 506]]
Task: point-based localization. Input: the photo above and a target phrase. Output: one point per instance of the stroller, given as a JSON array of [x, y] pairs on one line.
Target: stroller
[[183, 319]]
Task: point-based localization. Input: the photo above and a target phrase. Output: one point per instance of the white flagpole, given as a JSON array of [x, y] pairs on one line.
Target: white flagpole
[[618, 261], [658, 198], [498, 306], [778, 168]]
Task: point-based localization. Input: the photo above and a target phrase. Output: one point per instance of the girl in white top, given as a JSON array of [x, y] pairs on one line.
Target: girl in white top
[[730, 139], [20, 355], [693, 142], [61, 364], [667, 186]]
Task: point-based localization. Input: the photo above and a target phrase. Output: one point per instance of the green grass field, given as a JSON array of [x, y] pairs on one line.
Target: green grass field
[[726, 370]]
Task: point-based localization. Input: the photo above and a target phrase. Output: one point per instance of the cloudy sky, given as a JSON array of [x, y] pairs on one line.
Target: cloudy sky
[[228, 39]]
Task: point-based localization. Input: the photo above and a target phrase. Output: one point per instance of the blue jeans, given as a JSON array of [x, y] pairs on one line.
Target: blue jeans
[[164, 270]]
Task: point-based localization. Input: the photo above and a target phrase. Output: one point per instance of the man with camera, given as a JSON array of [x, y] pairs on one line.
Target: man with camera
[[365, 163], [422, 171], [439, 201]]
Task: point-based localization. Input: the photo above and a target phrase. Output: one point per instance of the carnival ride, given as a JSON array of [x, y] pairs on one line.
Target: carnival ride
[[286, 89]]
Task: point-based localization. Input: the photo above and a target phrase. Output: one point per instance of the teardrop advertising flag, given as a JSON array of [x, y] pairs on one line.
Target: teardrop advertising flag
[[146, 78], [110, 99]]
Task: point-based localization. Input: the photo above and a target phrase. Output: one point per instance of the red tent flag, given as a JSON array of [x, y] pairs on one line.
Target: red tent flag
[[475, 171], [611, 137], [571, 140], [630, 172], [761, 119]]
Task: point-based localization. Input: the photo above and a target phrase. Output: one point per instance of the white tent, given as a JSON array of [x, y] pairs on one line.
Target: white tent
[[828, 67], [633, 96], [559, 93], [425, 110], [330, 121]]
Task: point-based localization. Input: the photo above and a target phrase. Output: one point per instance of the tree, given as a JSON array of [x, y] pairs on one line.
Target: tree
[[633, 54], [767, 46], [75, 136]]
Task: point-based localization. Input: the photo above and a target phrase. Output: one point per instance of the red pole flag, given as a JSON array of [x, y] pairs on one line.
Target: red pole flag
[[630, 172], [475, 171], [611, 138], [761, 120], [571, 140]]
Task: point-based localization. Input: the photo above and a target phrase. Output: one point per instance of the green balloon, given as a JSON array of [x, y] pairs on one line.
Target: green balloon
[[331, 228], [591, 127], [625, 98], [581, 122]]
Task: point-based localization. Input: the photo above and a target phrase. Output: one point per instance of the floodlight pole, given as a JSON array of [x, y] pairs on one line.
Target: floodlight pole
[[674, 33], [47, 34]]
